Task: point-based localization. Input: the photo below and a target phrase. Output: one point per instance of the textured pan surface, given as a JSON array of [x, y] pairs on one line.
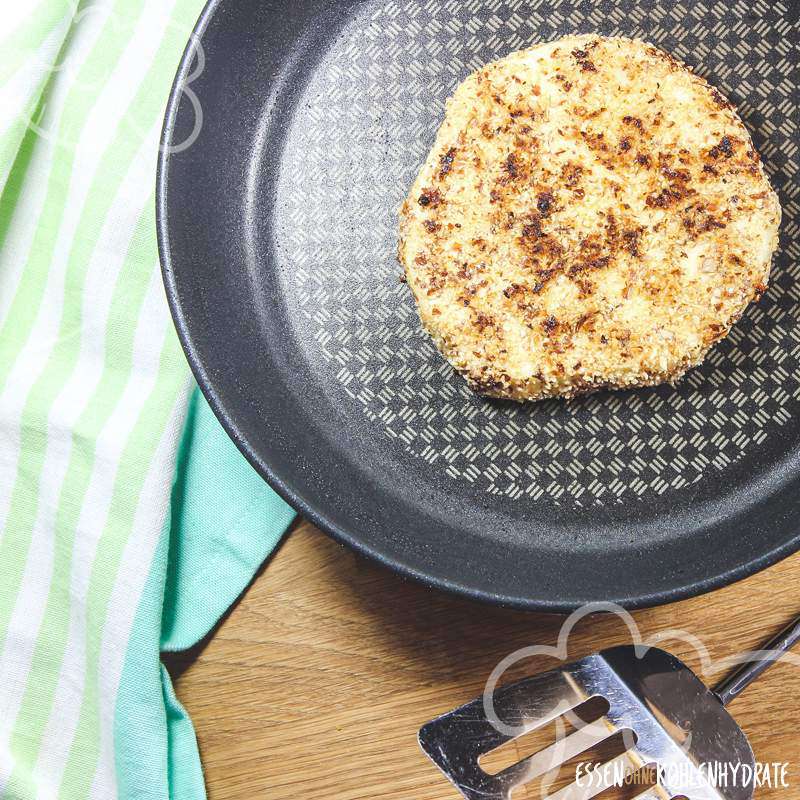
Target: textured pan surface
[[278, 234]]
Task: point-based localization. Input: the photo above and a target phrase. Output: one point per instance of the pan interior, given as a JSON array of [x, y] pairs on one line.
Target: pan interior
[[362, 128], [409, 462]]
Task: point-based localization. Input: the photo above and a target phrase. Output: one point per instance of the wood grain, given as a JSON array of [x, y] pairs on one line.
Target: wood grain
[[317, 682]]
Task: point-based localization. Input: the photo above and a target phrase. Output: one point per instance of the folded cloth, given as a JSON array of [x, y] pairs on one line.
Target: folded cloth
[[224, 521], [128, 520]]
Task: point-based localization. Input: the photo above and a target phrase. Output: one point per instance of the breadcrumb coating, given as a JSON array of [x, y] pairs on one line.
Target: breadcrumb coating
[[592, 215]]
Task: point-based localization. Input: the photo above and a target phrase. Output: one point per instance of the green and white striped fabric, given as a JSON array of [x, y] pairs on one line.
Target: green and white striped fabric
[[101, 562]]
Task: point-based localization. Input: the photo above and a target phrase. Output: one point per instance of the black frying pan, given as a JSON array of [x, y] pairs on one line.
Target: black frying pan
[[288, 146]]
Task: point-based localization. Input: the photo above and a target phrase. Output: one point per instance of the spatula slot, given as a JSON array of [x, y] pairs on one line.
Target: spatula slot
[[613, 768], [537, 739], [548, 772]]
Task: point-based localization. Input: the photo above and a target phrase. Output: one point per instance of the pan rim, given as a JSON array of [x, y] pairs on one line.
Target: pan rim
[[283, 486]]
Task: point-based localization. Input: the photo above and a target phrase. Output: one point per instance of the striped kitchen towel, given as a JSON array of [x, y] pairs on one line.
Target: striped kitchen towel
[[128, 521]]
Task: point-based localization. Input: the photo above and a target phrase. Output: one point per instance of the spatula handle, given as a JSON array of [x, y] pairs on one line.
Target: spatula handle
[[732, 686]]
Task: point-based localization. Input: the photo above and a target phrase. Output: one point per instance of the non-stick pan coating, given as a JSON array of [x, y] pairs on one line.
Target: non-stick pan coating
[[286, 157]]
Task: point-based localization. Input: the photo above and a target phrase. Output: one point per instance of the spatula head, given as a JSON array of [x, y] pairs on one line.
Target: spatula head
[[673, 722]]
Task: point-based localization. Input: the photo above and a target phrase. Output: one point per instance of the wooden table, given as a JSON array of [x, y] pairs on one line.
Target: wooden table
[[316, 683]]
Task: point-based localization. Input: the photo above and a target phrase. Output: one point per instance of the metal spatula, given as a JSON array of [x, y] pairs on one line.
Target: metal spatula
[[669, 719]]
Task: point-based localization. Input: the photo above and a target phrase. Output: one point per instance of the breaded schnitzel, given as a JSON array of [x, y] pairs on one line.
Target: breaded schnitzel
[[592, 214]]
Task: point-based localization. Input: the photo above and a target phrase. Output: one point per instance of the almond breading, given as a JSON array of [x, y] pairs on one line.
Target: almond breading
[[592, 215]]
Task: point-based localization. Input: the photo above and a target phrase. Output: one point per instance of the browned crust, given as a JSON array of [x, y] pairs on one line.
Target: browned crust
[[547, 220]]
